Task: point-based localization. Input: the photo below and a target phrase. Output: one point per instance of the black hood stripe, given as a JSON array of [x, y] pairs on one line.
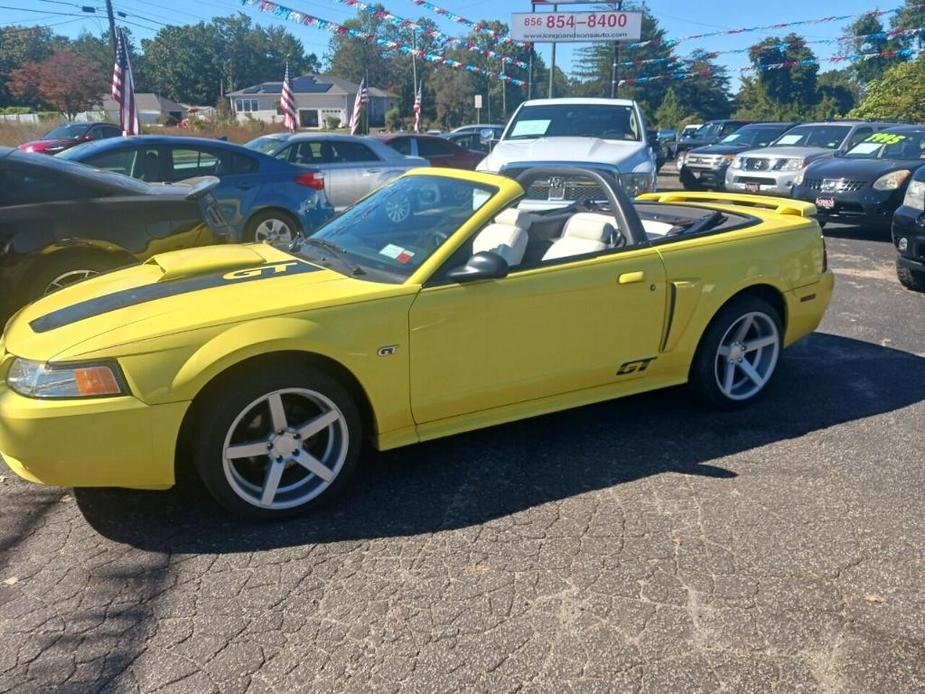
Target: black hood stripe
[[161, 290]]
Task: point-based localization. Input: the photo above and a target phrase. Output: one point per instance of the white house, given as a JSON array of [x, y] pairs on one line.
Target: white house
[[152, 109], [317, 97]]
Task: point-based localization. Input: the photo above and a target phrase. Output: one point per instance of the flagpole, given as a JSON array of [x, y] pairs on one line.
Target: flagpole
[[369, 103]]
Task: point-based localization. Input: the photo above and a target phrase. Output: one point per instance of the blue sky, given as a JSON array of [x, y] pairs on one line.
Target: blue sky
[[679, 19]]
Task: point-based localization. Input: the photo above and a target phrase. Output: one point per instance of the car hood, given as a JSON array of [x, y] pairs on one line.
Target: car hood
[[625, 155], [41, 145], [859, 169], [790, 152], [720, 149], [176, 292]]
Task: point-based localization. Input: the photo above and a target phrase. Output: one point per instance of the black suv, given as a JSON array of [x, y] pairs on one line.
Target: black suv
[[709, 133], [909, 234]]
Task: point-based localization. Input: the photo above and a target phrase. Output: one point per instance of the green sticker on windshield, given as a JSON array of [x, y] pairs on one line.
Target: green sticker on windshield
[[886, 138]]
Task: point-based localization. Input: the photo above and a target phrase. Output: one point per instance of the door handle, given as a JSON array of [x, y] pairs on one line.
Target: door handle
[[631, 277], [371, 171]]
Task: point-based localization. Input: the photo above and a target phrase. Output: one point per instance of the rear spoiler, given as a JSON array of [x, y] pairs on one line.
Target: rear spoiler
[[796, 208], [199, 186]]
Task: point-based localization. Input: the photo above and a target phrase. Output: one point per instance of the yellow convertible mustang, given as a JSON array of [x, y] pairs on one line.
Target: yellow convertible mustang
[[486, 300]]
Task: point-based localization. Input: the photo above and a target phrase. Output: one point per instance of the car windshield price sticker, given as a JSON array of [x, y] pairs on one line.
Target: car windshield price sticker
[[576, 26]]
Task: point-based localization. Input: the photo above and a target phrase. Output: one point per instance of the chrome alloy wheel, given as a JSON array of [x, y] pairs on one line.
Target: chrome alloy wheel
[[273, 231], [67, 279], [747, 356], [398, 208], [285, 448]]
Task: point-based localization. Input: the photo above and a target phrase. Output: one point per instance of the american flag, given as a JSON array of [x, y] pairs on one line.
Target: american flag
[[123, 88], [417, 107], [358, 104], [287, 103]]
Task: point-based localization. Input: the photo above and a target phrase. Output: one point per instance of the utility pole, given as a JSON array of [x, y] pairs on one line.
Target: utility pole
[[616, 59], [112, 29], [552, 68]]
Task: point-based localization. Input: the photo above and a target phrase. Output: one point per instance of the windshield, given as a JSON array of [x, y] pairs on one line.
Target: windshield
[[391, 232], [267, 145], [890, 145], [707, 130], [828, 136], [754, 136], [575, 120], [71, 131]]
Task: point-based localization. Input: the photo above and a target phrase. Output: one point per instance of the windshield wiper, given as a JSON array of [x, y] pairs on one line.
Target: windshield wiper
[[339, 252]]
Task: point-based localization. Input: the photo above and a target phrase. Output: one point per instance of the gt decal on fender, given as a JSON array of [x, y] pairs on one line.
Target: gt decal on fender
[[635, 366]]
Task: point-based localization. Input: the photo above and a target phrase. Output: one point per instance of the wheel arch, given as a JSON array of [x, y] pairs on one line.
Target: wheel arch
[[317, 360]]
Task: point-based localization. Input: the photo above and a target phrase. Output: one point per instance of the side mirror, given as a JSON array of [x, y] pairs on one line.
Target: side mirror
[[653, 140], [481, 266]]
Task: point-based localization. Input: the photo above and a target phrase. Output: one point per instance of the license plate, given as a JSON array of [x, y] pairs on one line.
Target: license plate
[[825, 203], [752, 187]]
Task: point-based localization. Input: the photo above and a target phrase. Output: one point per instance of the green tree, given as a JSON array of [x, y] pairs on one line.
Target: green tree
[[669, 112], [454, 94], [20, 45], [780, 93], [859, 39], [911, 16], [898, 95], [838, 94]]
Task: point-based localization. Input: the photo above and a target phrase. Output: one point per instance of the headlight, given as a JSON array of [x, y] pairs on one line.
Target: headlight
[[892, 180], [636, 183], [727, 159], [915, 195], [736, 162], [36, 379], [790, 164], [798, 181]]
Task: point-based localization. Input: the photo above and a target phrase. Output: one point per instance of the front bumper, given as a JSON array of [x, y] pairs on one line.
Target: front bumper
[[865, 205], [106, 442], [713, 179], [764, 182], [909, 224]]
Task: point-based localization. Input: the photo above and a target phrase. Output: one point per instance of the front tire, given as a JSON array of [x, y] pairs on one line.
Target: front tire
[[65, 269], [738, 354], [910, 279], [277, 440]]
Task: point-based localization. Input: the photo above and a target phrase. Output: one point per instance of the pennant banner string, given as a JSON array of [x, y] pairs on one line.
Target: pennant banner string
[[299, 17], [403, 23]]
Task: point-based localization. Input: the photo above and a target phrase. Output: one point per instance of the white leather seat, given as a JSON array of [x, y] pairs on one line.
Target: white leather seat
[[585, 232], [507, 236]]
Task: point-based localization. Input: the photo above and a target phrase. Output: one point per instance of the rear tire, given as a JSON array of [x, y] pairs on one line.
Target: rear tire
[[910, 279], [277, 440], [738, 353], [271, 226]]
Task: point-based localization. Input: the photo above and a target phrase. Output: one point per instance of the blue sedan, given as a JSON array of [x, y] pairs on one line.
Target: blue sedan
[[262, 198]]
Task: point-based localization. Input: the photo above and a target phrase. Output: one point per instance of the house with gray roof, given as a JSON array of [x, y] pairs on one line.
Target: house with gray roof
[[317, 97]]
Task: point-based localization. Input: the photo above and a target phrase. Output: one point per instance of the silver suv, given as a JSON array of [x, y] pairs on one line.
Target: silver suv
[[773, 169]]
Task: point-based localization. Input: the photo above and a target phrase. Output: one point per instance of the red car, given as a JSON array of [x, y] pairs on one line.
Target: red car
[[69, 135], [437, 150]]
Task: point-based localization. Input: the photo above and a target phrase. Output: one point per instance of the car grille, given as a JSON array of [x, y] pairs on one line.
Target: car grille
[[574, 190], [756, 164], [833, 185], [703, 161]]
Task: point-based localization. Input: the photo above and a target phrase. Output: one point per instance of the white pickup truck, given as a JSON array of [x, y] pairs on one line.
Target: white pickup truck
[[608, 135]]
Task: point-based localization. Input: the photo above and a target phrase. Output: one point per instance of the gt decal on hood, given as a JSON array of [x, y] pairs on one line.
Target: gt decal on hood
[[161, 290]]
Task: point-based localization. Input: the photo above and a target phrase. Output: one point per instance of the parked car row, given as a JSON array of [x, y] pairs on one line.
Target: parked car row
[[870, 173]]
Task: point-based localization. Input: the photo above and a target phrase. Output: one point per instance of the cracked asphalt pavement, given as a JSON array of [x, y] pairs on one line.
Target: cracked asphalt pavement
[[643, 545]]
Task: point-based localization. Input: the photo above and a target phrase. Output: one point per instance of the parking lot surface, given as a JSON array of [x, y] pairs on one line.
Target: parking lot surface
[[643, 545]]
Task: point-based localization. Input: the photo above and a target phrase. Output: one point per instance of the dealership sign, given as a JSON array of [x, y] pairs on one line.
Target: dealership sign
[[555, 27]]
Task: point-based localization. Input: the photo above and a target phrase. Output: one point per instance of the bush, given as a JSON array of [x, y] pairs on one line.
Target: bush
[[331, 122], [15, 111], [393, 119], [49, 115]]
